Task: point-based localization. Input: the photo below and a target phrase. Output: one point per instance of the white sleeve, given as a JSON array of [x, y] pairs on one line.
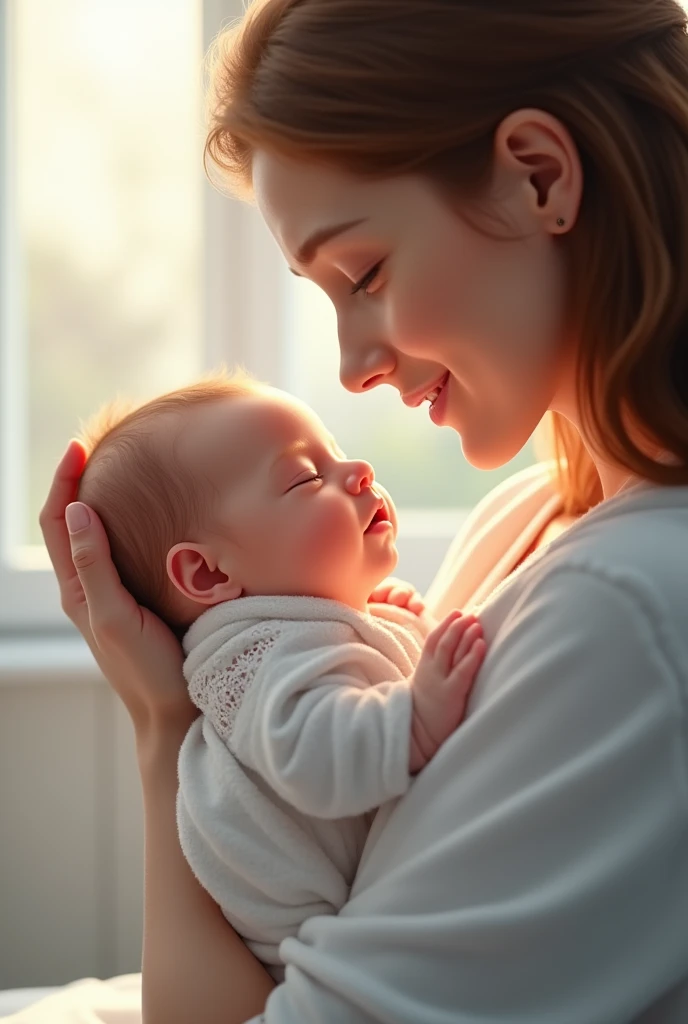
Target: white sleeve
[[327, 741], [536, 871]]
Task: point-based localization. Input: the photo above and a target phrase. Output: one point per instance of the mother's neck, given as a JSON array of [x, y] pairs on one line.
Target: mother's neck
[[615, 479]]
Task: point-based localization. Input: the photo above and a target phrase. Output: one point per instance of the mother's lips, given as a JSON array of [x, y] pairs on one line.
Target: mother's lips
[[415, 398]]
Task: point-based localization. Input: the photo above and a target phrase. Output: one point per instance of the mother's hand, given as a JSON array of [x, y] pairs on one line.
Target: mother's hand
[[137, 653]]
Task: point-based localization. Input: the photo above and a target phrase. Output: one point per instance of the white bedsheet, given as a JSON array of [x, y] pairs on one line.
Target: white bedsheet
[[88, 1001], [14, 999]]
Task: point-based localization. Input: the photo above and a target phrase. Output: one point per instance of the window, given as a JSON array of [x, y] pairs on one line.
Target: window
[[102, 246], [123, 272]]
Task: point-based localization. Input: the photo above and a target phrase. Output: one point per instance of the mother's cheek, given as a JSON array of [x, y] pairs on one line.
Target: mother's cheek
[[423, 314], [409, 325]]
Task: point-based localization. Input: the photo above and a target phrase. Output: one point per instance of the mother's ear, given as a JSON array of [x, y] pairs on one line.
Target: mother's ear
[[194, 570], [538, 153]]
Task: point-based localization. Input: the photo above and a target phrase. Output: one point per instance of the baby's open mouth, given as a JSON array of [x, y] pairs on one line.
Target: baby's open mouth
[[381, 516]]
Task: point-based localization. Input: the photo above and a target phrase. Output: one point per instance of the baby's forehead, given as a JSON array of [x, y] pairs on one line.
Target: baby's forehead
[[232, 438]]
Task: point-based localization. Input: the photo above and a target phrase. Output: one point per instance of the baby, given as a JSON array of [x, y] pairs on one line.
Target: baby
[[233, 514]]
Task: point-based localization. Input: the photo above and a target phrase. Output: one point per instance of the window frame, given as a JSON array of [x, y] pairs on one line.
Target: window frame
[[241, 266]]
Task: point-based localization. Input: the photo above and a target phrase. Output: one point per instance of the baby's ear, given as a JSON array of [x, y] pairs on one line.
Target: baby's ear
[[194, 571]]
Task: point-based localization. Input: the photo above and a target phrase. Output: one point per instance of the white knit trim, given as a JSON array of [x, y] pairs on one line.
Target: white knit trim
[[218, 689]]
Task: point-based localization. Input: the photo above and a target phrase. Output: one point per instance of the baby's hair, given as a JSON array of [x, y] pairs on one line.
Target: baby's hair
[[146, 497]]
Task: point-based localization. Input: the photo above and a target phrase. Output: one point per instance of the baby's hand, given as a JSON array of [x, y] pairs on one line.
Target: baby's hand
[[452, 655], [399, 593]]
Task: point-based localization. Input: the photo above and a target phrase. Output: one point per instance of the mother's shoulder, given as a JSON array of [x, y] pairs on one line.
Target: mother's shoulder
[[629, 555], [642, 533], [649, 513]]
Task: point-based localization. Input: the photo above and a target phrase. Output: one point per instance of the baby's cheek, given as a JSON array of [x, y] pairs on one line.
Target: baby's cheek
[[324, 540], [321, 538]]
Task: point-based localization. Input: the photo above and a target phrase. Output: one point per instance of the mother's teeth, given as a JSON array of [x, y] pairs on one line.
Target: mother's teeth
[[433, 395]]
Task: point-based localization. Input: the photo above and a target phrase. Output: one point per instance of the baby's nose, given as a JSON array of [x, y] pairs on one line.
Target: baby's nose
[[359, 475]]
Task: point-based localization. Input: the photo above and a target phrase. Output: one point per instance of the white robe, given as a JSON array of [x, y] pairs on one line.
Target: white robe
[[305, 732]]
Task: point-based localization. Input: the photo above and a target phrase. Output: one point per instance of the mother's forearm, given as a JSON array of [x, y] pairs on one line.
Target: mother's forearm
[[195, 967]]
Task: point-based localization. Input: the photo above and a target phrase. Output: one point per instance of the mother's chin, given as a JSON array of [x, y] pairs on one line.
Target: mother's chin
[[490, 442]]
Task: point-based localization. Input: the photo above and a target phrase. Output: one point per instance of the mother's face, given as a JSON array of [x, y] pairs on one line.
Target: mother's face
[[423, 297]]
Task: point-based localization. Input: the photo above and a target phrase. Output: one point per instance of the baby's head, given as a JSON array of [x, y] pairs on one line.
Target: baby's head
[[230, 488]]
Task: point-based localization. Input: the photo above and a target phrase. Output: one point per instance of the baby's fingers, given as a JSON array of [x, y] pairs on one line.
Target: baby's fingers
[[464, 671], [450, 642], [438, 632], [381, 593], [401, 596], [471, 636]]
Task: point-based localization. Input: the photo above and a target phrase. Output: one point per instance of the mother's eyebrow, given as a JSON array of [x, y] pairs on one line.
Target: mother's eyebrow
[[309, 250]]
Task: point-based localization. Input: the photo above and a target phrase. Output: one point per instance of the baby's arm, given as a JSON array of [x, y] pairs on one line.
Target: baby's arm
[[442, 682], [327, 741], [333, 745]]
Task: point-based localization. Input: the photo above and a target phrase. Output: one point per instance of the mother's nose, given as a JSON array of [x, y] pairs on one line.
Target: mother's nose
[[364, 363], [361, 371]]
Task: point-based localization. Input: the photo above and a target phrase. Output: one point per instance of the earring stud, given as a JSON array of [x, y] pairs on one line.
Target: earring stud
[[560, 222]]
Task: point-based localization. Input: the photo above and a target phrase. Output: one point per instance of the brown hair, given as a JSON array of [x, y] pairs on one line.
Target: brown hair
[[147, 498], [390, 87]]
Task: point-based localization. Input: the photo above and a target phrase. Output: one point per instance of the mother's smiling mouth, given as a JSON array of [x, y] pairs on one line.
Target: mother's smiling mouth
[[429, 391], [433, 395]]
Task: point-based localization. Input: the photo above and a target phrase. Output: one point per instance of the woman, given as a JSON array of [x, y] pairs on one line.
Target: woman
[[492, 194]]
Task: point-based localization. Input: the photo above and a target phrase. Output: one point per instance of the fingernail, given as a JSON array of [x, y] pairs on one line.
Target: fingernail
[[77, 517]]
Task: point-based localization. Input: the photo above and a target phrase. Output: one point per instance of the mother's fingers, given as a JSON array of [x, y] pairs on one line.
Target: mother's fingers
[[113, 612], [52, 519], [138, 654]]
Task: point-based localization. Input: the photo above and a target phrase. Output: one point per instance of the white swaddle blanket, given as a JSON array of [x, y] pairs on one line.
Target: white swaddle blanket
[[305, 732]]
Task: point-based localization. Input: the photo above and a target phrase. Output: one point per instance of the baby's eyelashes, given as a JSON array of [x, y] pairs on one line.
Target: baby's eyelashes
[[306, 480]]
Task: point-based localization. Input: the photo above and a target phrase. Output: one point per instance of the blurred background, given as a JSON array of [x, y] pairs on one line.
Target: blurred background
[[106, 147]]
